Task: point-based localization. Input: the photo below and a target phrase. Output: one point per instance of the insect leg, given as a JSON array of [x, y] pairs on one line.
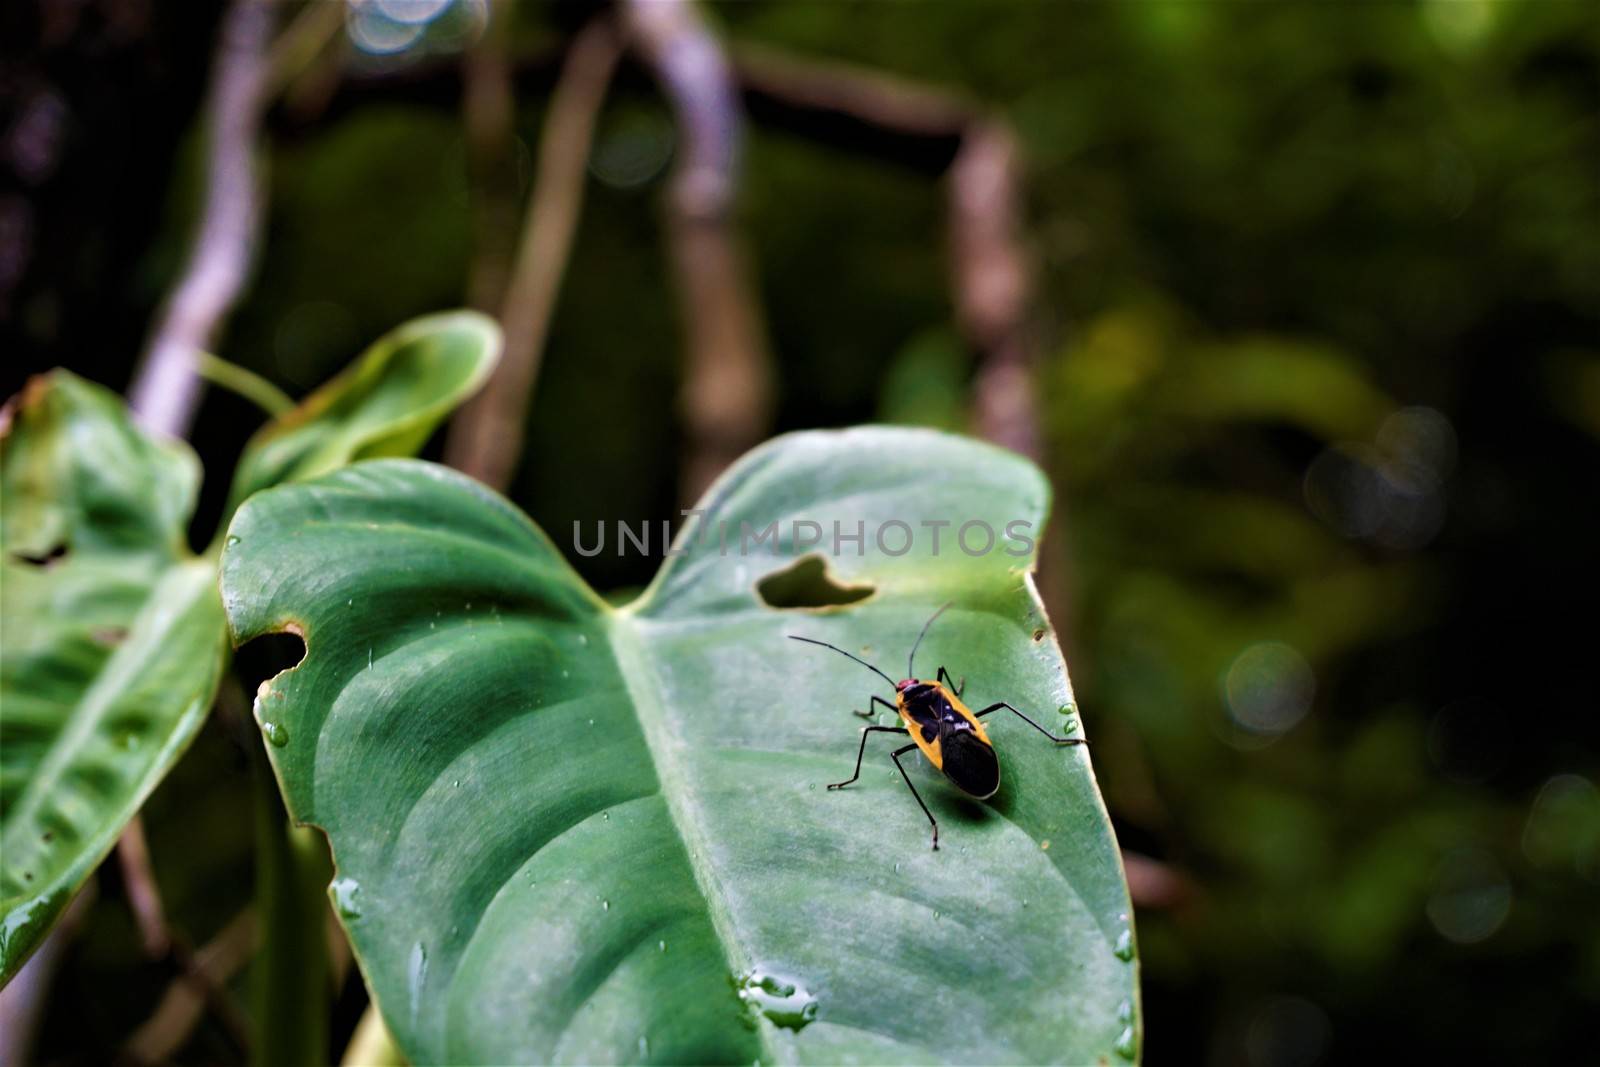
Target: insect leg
[[895, 755], [862, 751], [944, 676], [870, 712], [1030, 722]]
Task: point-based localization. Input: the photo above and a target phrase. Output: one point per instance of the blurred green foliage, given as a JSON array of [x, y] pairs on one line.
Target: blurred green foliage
[[1321, 289]]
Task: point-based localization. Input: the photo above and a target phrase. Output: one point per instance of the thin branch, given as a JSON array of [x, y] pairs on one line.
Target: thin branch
[[856, 109], [161, 943], [218, 1000], [992, 282], [488, 114], [929, 127], [301, 42], [486, 435], [727, 391], [144, 896], [166, 389], [204, 981], [991, 271]]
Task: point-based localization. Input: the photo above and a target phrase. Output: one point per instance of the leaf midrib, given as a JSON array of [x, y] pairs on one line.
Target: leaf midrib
[[88, 711], [637, 668]]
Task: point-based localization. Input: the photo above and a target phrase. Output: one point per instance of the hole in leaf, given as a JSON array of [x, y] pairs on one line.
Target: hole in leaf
[[41, 559], [271, 654], [806, 583]]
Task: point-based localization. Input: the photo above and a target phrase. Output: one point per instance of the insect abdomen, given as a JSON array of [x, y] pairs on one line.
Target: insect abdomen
[[970, 763]]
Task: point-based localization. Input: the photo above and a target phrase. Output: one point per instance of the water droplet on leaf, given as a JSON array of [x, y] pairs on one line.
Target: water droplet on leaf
[[1126, 1044], [345, 891], [1124, 947], [781, 1000], [276, 735], [417, 976]]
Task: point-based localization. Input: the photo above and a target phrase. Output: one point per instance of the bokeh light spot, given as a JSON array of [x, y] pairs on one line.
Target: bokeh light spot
[[1392, 492], [372, 30], [1471, 896], [411, 11], [1268, 688], [1563, 827], [634, 146]]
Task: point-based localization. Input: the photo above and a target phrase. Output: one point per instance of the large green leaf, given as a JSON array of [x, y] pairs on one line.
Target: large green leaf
[[566, 832], [386, 404], [111, 639]]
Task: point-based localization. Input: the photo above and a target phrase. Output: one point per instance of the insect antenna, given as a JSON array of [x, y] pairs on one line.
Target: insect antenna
[[911, 661], [845, 654]]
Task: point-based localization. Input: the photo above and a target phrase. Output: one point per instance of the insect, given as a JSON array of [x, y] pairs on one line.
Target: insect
[[948, 733]]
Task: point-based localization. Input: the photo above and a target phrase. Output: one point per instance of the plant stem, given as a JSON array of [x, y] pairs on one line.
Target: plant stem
[[292, 993], [244, 382]]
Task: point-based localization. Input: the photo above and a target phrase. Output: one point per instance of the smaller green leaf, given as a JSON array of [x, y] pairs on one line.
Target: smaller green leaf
[[385, 405], [112, 637], [78, 474], [1271, 378]]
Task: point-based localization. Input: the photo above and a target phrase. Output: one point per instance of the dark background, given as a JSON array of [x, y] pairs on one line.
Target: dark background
[[1321, 397]]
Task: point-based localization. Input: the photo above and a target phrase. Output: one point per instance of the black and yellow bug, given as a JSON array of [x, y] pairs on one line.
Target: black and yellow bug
[[948, 733]]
